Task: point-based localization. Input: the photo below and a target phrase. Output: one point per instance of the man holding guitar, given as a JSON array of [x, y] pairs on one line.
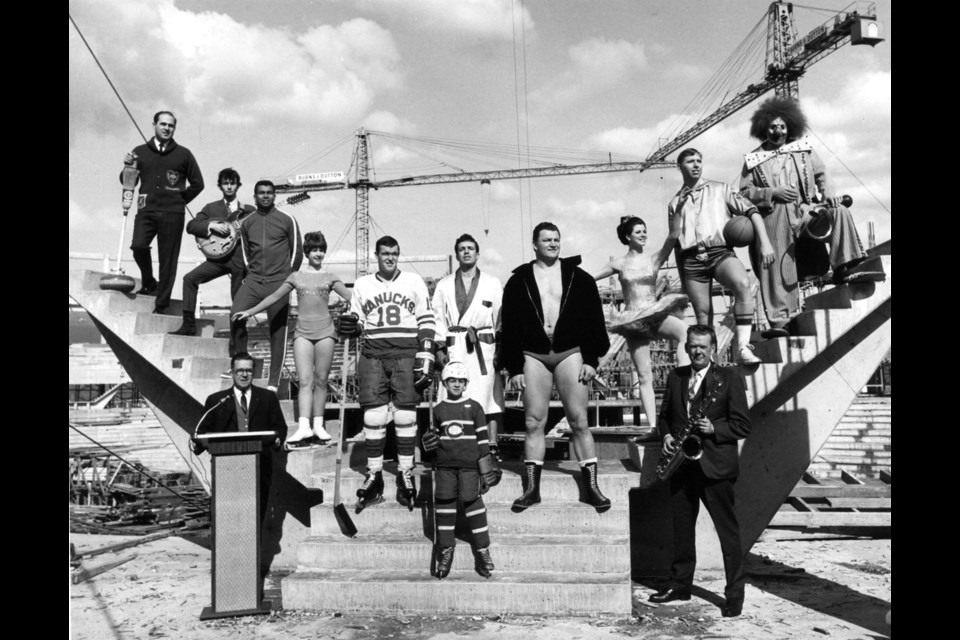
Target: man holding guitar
[[217, 230]]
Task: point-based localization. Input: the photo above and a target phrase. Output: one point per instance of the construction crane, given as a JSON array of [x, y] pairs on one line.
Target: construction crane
[[787, 59]]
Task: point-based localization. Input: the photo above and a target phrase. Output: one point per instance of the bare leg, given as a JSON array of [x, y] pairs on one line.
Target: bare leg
[[536, 403], [731, 274], [640, 353], [303, 359], [673, 328], [574, 395], [699, 294], [322, 361]]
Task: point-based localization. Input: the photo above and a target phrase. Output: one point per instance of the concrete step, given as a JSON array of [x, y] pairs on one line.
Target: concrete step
[[556, 517], [865, 419], [826, 324], [855, 457], [462, 592], [825, 470], [790, 350], [834, 445], [849, 296], [128, 302], [836, 439], [412, 553], [156, 323], [861, 432], [181, 346], [556, 484]]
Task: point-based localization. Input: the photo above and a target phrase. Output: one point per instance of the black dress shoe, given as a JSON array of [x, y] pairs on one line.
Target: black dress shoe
[[669, 595], [160, 310], [732, 608], [148, 289]]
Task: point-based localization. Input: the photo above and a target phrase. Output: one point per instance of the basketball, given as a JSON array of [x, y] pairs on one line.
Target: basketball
[[738, 232]]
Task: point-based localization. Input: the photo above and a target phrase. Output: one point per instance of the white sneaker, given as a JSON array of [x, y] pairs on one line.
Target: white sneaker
[[322, 434], [747, 356]]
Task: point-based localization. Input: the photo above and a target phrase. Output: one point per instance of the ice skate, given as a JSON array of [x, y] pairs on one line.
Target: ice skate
[[371, 492], [301, 440], [483, 563], [406, 489], [444, 562]]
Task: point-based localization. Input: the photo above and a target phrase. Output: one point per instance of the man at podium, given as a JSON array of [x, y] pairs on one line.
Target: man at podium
[[244, 407]]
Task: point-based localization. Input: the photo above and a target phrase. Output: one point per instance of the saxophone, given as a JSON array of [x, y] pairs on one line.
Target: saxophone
[[691, 445]]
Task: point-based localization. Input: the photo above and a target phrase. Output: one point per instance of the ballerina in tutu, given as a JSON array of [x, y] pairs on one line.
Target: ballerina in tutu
[[644, 317]]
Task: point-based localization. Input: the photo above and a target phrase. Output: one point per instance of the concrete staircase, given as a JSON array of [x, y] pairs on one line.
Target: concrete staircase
[[559, 557], [860, 444]]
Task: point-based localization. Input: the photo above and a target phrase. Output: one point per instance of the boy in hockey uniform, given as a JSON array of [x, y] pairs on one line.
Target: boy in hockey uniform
[[463, 468]]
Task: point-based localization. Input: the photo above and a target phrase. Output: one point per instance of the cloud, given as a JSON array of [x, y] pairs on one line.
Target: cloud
[[78, 219], [389, 122], [480, 18], [595, 65], [159, 55], [503, 191], [490, 258], [388, 154]]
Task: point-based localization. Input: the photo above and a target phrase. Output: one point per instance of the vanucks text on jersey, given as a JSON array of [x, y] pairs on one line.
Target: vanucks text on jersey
[[395, 314]]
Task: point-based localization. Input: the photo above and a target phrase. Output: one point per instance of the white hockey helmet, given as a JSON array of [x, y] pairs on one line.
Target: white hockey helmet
[[455, 369]]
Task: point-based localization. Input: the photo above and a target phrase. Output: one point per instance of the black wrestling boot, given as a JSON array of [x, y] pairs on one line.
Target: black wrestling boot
[[531, 494], [600, 502], [189, 326]]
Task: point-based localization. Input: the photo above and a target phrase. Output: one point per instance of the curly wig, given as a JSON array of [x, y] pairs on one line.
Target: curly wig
[[778, 107], [625, 228]]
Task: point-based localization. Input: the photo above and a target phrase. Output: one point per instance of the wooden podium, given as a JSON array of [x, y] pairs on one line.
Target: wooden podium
[[235, 512]]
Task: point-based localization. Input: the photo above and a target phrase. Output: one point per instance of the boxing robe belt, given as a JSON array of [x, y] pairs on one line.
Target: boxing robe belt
[[473, 338]]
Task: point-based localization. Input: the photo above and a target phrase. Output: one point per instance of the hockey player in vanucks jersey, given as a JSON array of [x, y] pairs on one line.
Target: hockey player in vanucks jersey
[[392, 311], [467, 308]]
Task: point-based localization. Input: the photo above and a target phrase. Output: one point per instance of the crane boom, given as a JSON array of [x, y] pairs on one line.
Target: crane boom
[[813, 47]]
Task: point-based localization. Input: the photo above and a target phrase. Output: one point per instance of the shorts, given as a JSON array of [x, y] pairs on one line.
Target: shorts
[[462, 484], [551, 360], [382, 380], [700, 266]]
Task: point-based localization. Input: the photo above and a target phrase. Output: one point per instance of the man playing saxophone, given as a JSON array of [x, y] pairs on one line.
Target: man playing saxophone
[[709, 402]]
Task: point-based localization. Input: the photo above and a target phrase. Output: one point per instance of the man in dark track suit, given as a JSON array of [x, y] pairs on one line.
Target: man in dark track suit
[[249, 409], [716, 399]]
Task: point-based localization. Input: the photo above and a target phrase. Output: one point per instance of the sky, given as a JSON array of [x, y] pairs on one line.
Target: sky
[[274, 89]]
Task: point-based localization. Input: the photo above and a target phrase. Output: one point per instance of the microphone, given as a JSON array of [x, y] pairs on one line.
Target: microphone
[[222, 400]]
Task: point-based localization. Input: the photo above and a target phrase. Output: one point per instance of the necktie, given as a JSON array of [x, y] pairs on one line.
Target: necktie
[[693, 386], [243, 407]]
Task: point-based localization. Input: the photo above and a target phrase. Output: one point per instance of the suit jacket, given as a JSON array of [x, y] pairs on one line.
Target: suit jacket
[[264, 413], [728, 413]]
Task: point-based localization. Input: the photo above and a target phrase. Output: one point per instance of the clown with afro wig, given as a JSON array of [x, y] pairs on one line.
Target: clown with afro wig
[[787, 181]]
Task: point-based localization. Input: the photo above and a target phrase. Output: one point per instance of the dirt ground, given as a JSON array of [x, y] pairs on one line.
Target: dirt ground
[[798, 586]]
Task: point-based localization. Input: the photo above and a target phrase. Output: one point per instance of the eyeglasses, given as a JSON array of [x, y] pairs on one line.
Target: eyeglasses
[[243, 371]]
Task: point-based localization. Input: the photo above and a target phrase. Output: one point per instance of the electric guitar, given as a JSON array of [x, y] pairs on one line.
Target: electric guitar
[[217, 246]]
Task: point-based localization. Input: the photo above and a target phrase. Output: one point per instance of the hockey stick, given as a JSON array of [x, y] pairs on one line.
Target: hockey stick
[[347, 527]]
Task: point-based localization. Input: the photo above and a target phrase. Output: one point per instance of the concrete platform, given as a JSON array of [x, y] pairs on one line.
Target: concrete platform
[[462, 592]]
